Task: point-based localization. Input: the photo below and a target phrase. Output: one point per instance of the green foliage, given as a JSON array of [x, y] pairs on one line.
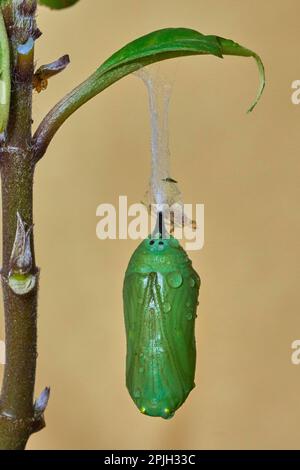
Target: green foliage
[[166, 44], [57, 4], [154, 47]]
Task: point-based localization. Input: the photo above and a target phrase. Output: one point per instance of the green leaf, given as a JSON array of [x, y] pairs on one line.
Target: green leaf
[[232, 48], [154, 47], [176, 42], [57, 4], [163, 44]]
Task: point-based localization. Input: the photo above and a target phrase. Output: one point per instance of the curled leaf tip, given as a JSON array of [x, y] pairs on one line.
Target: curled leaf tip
[[262, 79], [230, 47]]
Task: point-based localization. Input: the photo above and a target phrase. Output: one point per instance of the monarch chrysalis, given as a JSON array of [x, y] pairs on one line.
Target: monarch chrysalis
[[160, 301]]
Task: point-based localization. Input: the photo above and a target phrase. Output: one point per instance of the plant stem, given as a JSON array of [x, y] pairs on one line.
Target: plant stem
[[17, 414], [70, 103], [17, 418]]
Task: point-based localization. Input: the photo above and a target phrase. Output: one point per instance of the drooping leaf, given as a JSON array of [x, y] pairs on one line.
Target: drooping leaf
[[154, 47], [232, 48], [163, 44], [57, 4], [176, 42]]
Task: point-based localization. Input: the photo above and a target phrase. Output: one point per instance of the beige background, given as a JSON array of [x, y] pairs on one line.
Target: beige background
[[244, 168]]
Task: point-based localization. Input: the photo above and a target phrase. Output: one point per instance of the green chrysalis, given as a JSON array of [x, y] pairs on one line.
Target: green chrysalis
[[160, 296], [4, 76]]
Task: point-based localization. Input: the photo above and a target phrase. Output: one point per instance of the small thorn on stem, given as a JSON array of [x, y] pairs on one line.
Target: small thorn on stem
[[20, 280], [36, 34], [43, 73], [41, 402], [21, 258]]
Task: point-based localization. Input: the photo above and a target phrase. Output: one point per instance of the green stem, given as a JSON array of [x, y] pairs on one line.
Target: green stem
[[17, 417], [70, 103], [16, 407]]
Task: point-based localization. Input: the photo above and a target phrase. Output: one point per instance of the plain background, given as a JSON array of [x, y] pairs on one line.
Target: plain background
[[244, 168]]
